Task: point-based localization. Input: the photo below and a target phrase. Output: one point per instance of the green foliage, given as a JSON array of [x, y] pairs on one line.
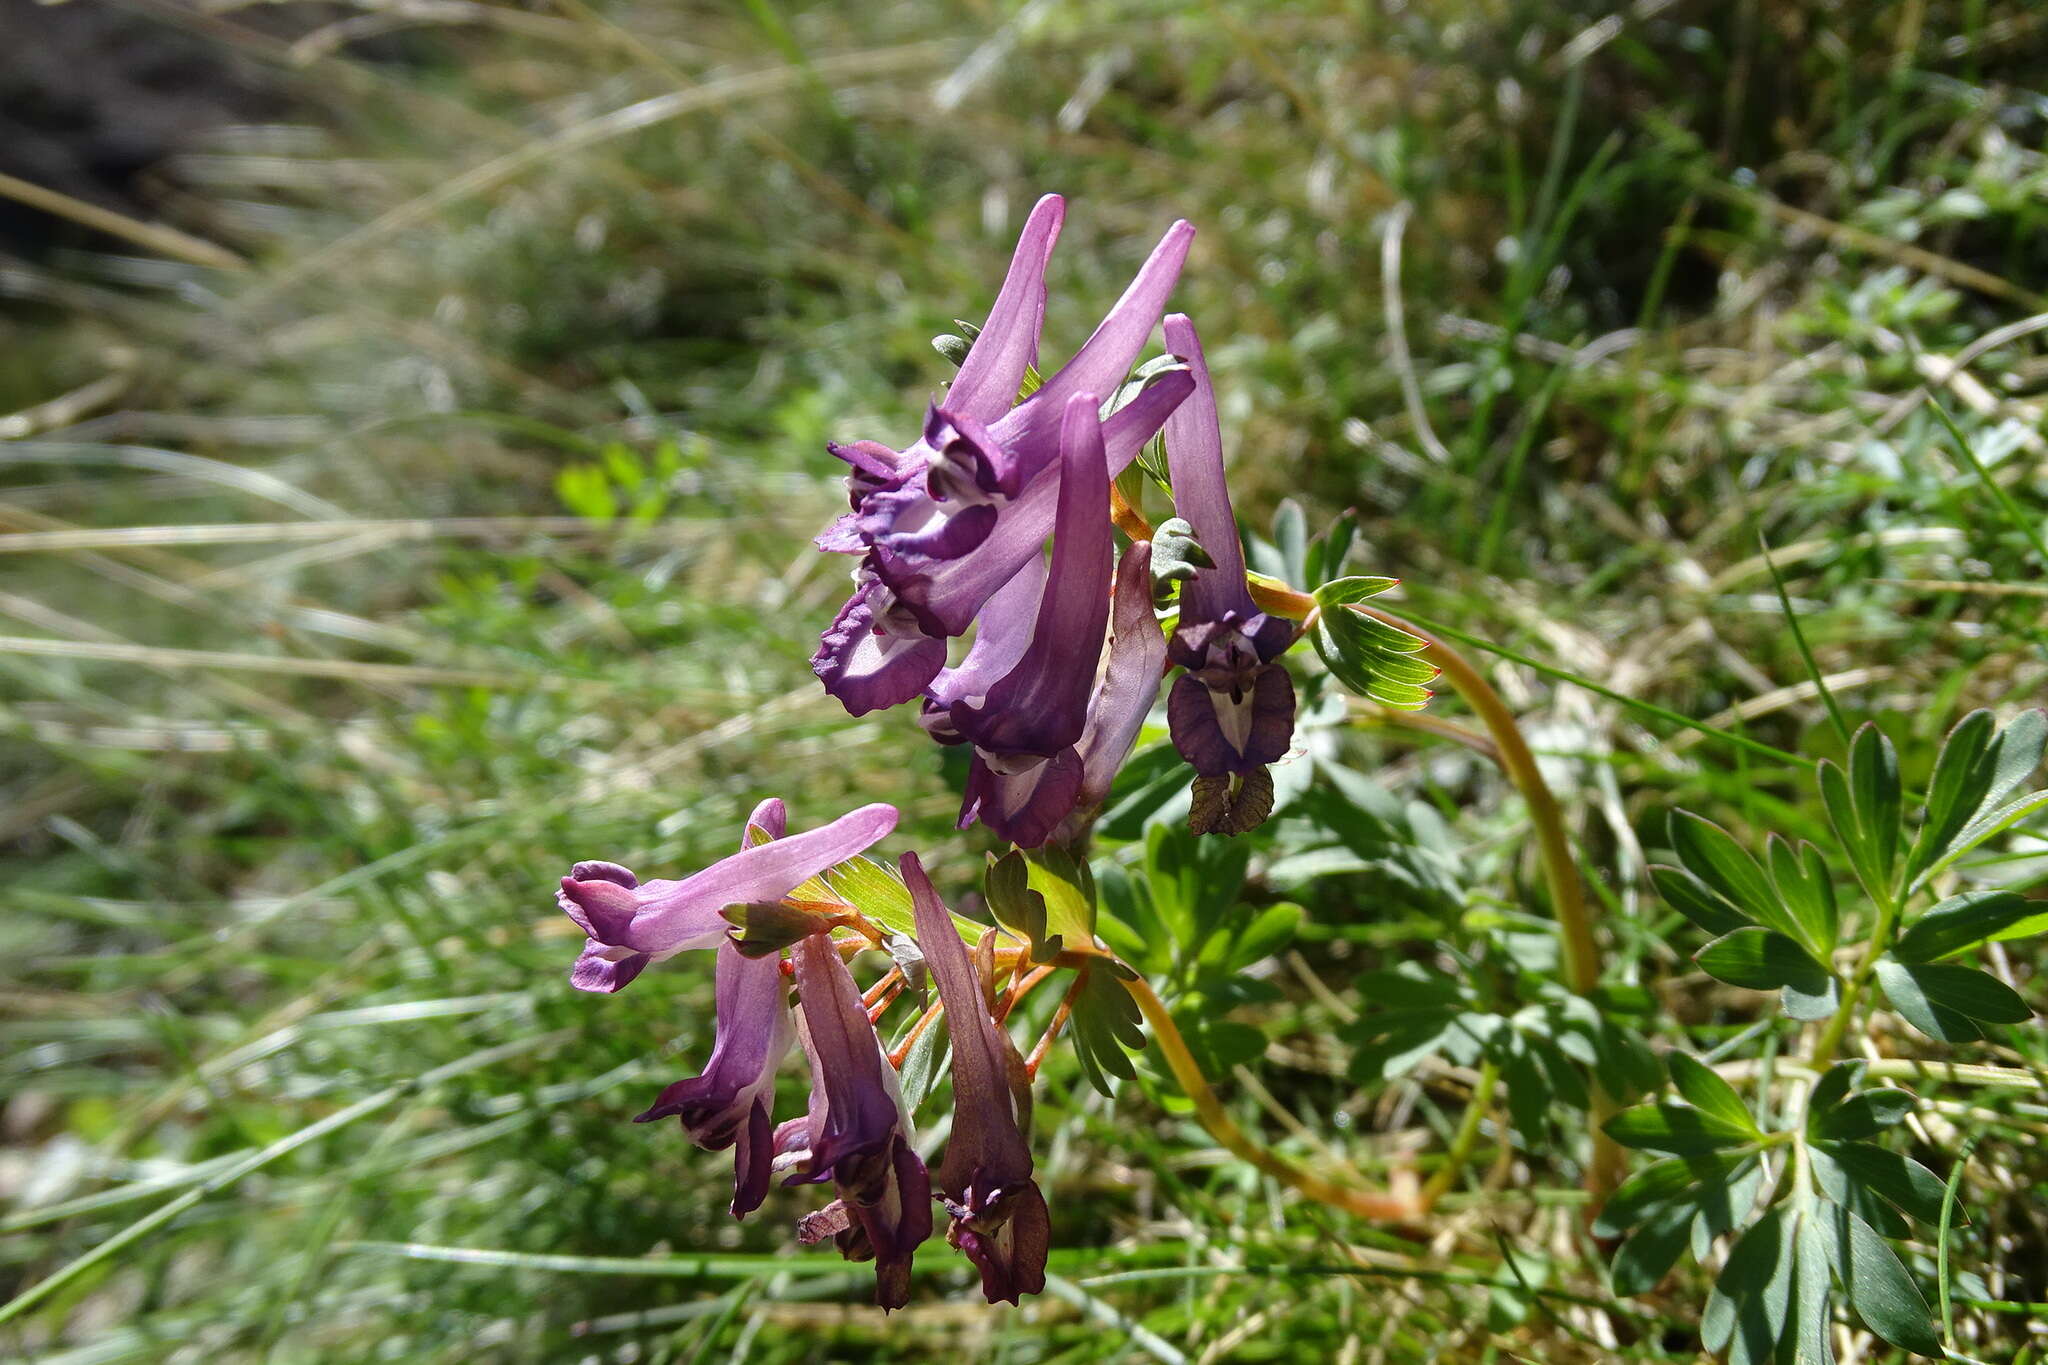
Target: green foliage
[[1839, 1197]]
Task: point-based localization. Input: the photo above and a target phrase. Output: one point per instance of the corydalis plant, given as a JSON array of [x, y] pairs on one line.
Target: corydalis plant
[[1807, 1191], [1069, 649]]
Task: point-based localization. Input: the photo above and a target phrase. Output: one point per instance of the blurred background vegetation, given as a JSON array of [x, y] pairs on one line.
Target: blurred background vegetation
[[413, 417]]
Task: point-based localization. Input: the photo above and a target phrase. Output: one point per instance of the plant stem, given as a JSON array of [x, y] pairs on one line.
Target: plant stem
[[1376, 1205], [1429, 725], [1899, 1069], [1465, 1139], [1567, 894], [1829, 1045], [1052, 1030]]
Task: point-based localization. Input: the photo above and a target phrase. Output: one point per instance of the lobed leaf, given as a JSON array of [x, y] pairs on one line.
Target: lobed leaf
[[1881, 1291], [1677, 1129], [1708, 1093], [1761, 960], [1948, 1002], [1711, 854], [1960, 923], [1805, 888]]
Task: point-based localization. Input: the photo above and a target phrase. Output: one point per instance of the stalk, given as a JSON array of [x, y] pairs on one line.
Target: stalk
[[1465, 1139], [1560, 872], [1377, 1205]]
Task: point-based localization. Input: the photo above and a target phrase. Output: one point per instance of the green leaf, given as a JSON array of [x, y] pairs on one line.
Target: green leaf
[[1862, 1115], [1176, 554], [1946, 1001], [1373, 659], [1677, 1129], [1652, 1249], [1269, 932], [1902, 1180], [1017, 907], [1327, 554], [1759, 960], [1961, 922], [1751, 1302], [1812, 1296], [1290, 538], [1724, 1204], [1863, 806], [1356, 589], [1069, 890], [1408, 986], [1882, 1293], [2019, 752], [1804, 887], [1962, 778], [923, 1064], [1711, 854], [1695, 900], [1874, 785], [1834, 1085], [1708, 1093], [1105, 1022], [1658, 1184], [1987, 825]]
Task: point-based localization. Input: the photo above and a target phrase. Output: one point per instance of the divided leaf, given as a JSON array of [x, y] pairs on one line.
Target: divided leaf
[[1960, 923], [1711, 854], [1804, 887], [1881, 1291], [1105, 1023], [1863, 805], [1760, 960], [1696, 900], [1373, 659], [1905, 1182], [1975, 773], [1949, 1002], [1708, 1093], [1677, 1129]]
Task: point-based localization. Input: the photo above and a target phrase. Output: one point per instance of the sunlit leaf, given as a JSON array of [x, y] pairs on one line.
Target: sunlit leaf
[[1882, 1293]]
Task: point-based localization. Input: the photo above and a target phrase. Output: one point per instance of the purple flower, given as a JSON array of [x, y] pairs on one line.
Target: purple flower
[[630, 924], [1027, 805], [729, 1104], [998, 1215], [945, 524], [857, 1134], [1232, 711], [1040, 706]]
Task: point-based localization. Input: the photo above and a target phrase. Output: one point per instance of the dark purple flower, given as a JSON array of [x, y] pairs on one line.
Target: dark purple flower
[[1040, 706], [730, 1103], [857, 1134], [999, 1215], [1227, 719], [875, 655], [630, 924], [946, 523], [1232, 711], [1027, 806]]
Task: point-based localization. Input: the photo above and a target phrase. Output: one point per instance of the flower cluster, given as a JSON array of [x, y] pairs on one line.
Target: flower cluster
[[1067, 654], [856, 1132], [951, 534]]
